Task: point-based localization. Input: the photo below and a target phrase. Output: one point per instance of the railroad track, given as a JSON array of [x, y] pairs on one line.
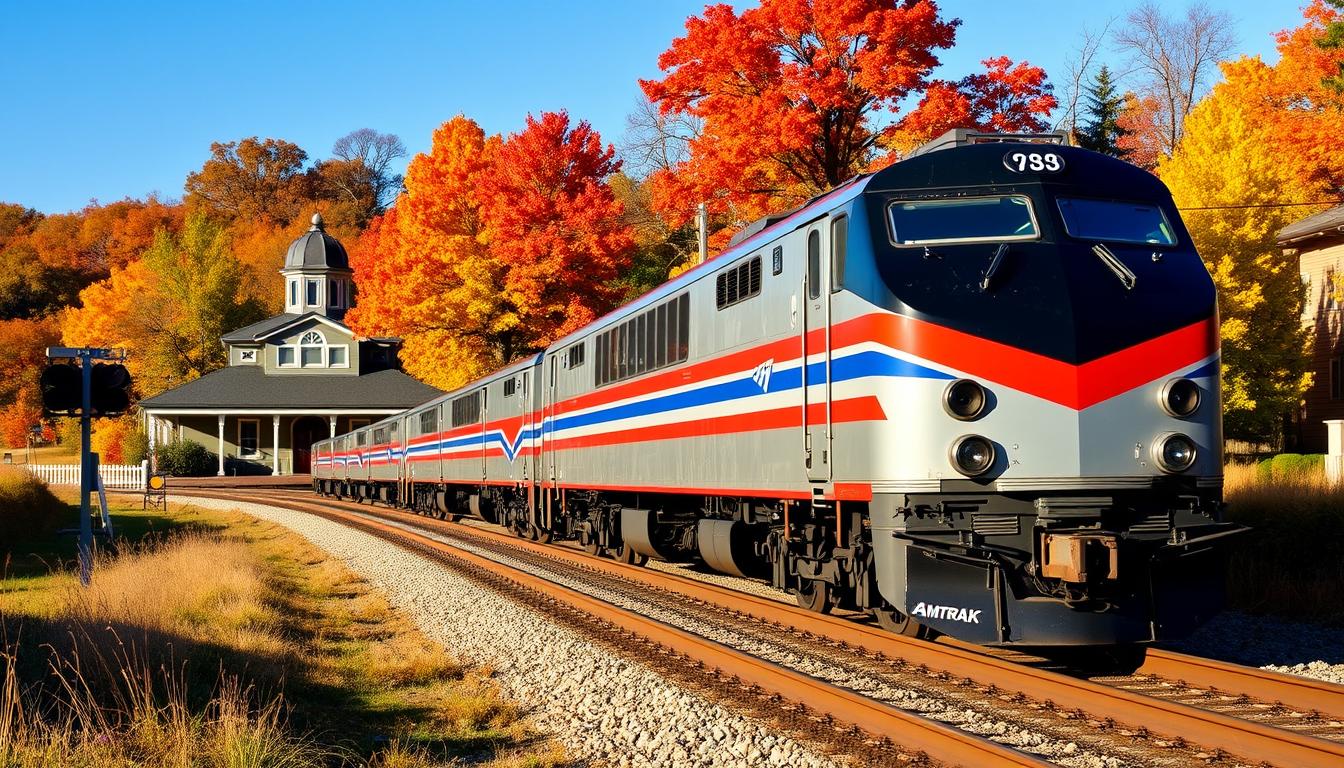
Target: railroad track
[[1177, 709]]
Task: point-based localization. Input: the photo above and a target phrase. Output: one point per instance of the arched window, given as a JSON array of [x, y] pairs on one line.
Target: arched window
[[312, 350]]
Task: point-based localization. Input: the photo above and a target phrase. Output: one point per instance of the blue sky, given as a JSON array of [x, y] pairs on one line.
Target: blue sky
[[108, 100]]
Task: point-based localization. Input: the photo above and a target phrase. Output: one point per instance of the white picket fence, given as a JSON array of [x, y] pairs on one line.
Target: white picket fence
[[123, 476]]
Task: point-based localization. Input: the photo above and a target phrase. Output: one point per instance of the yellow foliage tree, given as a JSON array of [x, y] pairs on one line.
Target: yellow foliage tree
[[1228, 177]]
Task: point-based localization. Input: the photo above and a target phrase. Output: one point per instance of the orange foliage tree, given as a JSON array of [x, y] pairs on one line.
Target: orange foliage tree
[[786, 95], [423, 271], [1007, 97], [554, 224], [496, 247]]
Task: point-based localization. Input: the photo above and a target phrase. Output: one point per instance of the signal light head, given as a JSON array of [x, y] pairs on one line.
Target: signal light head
[[62, 387], [110, 394]]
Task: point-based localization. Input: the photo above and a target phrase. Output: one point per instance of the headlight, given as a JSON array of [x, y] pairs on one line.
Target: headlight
[[965, 400], [1174, 452], [1180, 397], [972, 455]]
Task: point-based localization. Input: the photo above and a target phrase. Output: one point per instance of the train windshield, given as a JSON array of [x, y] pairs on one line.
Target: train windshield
[[962, 220], [1115, 221]]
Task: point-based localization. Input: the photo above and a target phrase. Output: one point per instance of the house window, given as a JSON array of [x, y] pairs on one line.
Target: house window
[[314, 292], [285, 356], [293, 293], [358, 423], [335, 289], [249, 434], [336, 357]]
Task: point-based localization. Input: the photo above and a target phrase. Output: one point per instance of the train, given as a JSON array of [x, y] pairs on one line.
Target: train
[[974, 393]]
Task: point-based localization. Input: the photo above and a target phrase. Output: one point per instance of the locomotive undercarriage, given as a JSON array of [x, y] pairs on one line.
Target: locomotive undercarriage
[[1029, 570]]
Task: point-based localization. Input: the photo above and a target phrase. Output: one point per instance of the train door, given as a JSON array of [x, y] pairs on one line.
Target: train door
[[816, 343], [525, 437], [548, 417]]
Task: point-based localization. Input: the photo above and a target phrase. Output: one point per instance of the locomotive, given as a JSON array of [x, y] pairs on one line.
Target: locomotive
[[975, 393]]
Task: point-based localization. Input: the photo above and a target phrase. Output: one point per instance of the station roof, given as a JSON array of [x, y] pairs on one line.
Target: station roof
[[250, 387], [1328, 222]]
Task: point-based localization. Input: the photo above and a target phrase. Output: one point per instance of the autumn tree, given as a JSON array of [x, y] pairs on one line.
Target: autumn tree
[[362, 172], [1101, 131], [1007, 97], [423, 269], [1248, 148], [789, 95], [1332, 39], [261, 179], [169, 308], [555, 225], [1174, 59]]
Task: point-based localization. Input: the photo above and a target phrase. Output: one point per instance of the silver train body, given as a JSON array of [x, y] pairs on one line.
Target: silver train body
[[966, 397]]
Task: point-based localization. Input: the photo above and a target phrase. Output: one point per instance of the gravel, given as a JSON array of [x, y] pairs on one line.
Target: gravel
[[604, 709], [1290, 647]]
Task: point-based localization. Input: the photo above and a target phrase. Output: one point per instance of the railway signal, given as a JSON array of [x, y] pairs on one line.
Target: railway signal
[[87, 388]]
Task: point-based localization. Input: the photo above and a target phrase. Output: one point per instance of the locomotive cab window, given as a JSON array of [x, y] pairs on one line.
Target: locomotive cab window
[[1115, 221], [962, 220]]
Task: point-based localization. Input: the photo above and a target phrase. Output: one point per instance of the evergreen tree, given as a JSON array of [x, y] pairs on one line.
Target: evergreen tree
[[1102, 131]]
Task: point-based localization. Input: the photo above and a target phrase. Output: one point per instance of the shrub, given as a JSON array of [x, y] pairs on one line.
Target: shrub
[[27, 507], [135, 446], [1286, 466], [186, 458]]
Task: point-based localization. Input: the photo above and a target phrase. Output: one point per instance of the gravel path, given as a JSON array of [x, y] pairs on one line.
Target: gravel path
[[1291, 647], [604, 709]]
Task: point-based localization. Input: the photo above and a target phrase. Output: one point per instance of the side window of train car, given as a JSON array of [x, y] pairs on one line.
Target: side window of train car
[[429, 421], [839, 240], [362, 439], [738, 283], [573, 356], [814, 264], [510, 386], [380, 435], [467, 409], [655, 338]]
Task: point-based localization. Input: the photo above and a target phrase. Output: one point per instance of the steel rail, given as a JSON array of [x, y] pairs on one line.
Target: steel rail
[[1302, 693], [1250, 741], [942, 743]]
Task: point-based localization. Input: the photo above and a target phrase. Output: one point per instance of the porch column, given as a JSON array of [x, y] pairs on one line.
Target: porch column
[[221, 446], [152, 427], [331, 426], [275, 445]]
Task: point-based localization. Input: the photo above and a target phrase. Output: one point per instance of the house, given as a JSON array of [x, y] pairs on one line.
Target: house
[[292, 379], [1318, 243]]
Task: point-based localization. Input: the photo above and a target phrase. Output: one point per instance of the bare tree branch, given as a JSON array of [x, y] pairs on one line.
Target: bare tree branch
[[1175, 58], [1079, 69]]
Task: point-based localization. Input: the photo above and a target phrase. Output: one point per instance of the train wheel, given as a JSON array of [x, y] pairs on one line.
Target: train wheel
[[588, 541], [632, 557], [542, 536], [814, 595], [896, 622]]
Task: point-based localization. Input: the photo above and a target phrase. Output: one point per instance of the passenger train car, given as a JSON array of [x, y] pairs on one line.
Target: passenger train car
[[974, 393]]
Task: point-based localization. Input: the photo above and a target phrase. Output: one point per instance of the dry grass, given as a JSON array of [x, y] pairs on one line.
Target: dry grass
[[247, 648], [1292, 564]]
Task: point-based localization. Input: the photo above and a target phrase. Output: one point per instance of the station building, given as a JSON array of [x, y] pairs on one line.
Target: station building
[[293, 379], [1318, 243]]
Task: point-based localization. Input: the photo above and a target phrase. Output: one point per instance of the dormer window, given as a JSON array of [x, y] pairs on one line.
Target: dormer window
[[313, 351]]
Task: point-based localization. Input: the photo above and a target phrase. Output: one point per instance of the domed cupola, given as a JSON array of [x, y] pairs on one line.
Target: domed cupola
[[317, 274]]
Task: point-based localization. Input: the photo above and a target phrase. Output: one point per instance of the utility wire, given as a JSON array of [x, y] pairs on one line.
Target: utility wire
[[1258, 205]]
